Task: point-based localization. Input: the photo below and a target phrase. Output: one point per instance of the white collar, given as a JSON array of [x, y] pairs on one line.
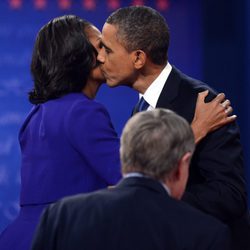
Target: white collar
[[153, 92]]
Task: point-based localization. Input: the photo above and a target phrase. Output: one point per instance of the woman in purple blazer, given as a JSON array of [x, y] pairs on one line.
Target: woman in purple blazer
[[68, 143]]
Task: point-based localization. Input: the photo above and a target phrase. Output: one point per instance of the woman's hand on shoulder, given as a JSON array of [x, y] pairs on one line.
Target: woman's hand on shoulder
[[211, 115]]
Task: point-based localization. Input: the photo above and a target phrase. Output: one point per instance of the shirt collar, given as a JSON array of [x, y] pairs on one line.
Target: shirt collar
[[153, 92]]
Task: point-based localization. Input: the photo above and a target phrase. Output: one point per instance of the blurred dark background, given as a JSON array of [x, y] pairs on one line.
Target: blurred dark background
[[210, 40]]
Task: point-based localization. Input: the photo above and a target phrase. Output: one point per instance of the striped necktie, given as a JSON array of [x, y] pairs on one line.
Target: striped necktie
[[141, 105]]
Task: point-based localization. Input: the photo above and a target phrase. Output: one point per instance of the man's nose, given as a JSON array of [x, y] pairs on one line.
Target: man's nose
[[100, 56]]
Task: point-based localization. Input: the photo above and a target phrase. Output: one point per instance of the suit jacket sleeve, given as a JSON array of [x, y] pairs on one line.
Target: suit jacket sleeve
[[91, 132], [218, 187], [216, 182]]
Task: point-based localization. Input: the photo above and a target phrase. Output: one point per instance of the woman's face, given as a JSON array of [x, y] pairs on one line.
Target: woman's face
[[94, 36]]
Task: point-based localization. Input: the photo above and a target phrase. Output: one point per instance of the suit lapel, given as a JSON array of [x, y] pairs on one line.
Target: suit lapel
[[170, 90], [175, 94]]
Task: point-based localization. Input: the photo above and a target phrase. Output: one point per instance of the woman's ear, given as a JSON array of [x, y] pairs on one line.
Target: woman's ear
[[140, 58]]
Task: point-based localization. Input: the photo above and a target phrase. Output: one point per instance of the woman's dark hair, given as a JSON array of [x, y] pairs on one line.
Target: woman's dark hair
[[62, 59]]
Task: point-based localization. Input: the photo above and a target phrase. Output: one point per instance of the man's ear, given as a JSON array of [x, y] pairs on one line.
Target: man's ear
[[184, 164], [177, 179], [139, 58], [182, 168]]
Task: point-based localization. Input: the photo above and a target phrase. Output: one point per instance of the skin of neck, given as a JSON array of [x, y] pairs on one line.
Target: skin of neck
[[146, 75], [91, 88]]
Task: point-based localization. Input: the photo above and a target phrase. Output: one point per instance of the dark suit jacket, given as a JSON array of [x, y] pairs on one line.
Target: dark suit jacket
[[216, 184], [138, 214]]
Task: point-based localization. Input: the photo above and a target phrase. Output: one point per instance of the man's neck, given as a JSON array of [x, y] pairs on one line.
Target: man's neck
[[141, 175], [147, 76]]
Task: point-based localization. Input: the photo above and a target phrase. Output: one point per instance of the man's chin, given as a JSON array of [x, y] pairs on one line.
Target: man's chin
[[111, 84]]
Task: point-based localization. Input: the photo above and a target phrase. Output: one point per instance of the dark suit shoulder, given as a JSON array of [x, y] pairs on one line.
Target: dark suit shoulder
[[130, 201], [144, 217], [197, 230], [190, 87], [180, 94]]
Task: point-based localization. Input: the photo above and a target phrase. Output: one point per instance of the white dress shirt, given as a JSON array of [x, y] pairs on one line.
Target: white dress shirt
[[153, 92]]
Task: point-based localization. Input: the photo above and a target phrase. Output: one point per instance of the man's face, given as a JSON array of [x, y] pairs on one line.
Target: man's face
[[117, 64]]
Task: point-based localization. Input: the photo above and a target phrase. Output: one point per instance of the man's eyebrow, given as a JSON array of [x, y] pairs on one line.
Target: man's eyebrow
[[105, 46]]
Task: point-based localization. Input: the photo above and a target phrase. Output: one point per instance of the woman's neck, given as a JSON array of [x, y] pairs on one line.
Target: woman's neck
[[91, 88]]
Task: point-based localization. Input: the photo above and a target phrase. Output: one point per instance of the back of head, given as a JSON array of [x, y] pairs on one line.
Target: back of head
[[153, 142], [62, 58], [142, 28]]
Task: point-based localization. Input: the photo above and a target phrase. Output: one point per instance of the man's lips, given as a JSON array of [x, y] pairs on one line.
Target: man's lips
[[102, 70]]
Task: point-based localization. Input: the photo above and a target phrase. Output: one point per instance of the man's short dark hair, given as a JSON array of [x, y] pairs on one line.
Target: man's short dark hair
[[141, 27], [62, 58]]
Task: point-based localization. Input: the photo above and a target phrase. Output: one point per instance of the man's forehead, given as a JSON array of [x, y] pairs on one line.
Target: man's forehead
[[109, 32], [109, 37]]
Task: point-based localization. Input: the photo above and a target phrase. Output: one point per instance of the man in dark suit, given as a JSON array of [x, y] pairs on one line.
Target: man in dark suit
[[134, 50], [143, 211]]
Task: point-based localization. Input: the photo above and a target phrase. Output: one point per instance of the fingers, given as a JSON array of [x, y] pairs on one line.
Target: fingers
[[218, 104], [219, 98], [229, 110], [226, 104], [225, 121], [202, 95], [231, 118]]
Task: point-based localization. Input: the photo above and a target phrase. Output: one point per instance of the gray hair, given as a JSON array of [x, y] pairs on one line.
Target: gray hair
[[153, 142], [142, 28]]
